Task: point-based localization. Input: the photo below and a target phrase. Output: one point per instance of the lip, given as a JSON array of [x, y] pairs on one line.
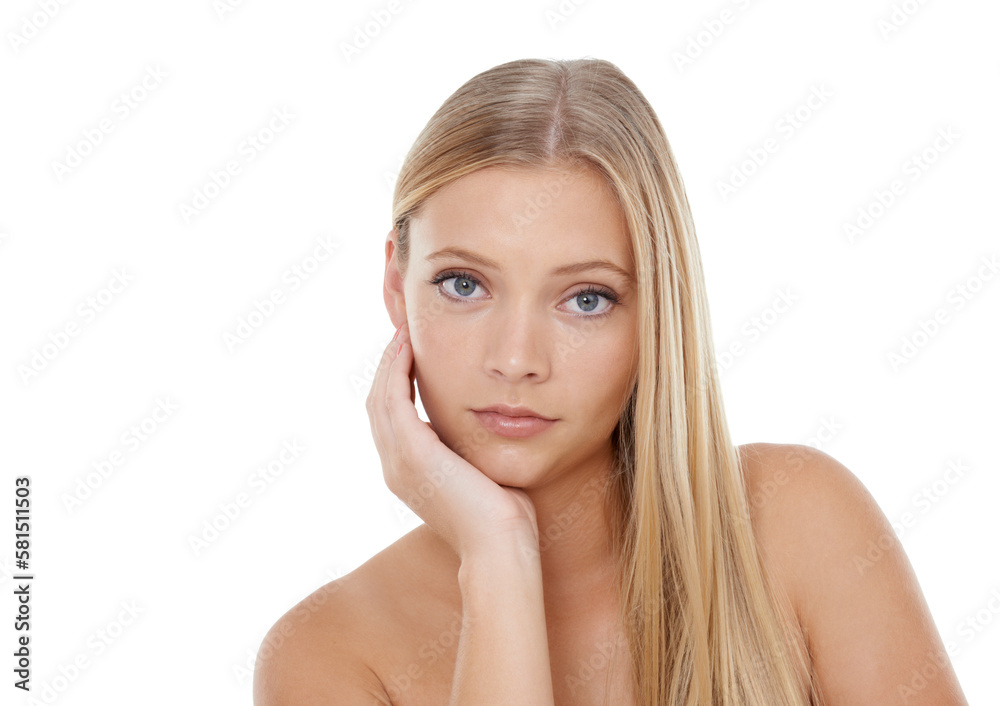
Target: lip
[[512, 422], [514, 412], [512, 427]]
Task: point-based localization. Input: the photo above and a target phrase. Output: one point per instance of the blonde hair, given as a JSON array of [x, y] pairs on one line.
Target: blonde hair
[[703, 622]]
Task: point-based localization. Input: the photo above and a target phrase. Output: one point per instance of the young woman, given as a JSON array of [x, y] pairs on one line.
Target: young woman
[[592, 535]]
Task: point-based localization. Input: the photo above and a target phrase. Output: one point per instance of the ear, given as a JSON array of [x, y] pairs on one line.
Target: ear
[[392, 288]]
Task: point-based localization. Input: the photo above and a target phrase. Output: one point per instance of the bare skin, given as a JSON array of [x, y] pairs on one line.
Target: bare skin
[[398, 613], [410, 635], [525, 334], [522, 338], [389, 631]]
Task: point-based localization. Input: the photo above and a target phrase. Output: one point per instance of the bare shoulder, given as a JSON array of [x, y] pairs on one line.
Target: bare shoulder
[[797, 495], [870, 632], [324, 649]]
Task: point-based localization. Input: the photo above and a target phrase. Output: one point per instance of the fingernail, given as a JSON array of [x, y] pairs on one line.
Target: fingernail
[[397, 332]]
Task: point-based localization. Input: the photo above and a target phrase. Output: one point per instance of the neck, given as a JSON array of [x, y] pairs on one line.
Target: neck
[[575, 548]]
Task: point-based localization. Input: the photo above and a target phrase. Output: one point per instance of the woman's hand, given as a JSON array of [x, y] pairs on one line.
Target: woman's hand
[[456, 499]]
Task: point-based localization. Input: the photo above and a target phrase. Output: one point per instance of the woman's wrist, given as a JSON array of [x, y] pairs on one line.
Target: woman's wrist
[[501, 555]]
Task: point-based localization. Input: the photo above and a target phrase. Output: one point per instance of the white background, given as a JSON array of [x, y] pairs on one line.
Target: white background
[[304, 373]]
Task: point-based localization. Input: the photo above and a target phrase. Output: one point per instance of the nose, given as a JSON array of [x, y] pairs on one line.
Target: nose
[[517, 345]]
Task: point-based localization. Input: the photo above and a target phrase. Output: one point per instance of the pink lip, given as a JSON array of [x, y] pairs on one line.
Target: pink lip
[[509, 411], [513, 427]]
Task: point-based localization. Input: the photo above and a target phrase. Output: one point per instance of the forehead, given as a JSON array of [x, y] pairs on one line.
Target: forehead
[[535, 213]]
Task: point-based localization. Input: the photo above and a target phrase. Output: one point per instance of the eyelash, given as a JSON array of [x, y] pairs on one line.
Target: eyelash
[[602, 291]]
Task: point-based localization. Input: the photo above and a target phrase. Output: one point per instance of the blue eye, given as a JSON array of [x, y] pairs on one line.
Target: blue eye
[[592, 298], [465, 285]]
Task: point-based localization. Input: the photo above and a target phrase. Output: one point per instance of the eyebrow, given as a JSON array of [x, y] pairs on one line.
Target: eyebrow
[[573, 269]]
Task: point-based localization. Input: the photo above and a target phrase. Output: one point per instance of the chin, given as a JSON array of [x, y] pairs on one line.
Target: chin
[[508, 464], [509, 477]]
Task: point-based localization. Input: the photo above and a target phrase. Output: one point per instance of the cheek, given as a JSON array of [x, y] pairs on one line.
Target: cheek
[[602, 363], [603, 345], [436, 346], [438, 365]]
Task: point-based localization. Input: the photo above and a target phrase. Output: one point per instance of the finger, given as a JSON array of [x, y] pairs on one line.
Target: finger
[[398, 390], [417, 447], [377, 413], [383, 363], [400, 418], [404, 337]]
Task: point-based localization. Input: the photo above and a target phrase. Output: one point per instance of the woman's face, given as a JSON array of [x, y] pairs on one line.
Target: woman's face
[[519, 314]]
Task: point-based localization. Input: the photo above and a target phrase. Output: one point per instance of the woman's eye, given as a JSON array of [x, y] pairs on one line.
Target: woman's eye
[[461, 287], [589, 302]]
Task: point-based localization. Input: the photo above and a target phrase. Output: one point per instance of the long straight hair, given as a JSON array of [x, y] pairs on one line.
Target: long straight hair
[[703, 619]]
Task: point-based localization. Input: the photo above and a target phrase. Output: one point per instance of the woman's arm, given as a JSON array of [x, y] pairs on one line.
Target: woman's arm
[[503, 651], [503, 647]]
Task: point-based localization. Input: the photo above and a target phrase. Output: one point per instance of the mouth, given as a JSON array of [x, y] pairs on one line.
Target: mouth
[[513, 412], [512, 422]]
